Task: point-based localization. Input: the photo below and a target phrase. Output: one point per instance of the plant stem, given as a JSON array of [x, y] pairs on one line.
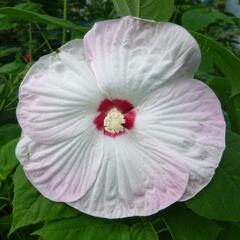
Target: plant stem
[[40, 46], [18, 235], [3, 198], [162, 230], [64, 36], [9, 104], [111, 13], [2, 207], [30, 41], [44, 37], [157, 220]]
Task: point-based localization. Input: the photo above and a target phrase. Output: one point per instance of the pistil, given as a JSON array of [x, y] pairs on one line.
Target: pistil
[[114, 121]]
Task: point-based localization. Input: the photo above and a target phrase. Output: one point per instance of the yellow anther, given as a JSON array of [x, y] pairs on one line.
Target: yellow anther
[[114, 121]]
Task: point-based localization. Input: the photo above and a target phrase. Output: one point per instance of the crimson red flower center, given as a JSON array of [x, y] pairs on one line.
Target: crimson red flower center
[[115, 116]]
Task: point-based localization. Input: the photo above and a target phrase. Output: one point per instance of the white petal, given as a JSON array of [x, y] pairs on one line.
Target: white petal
[[137, 177], [59, 96], [132, 57], [63, 171], [186, 116]]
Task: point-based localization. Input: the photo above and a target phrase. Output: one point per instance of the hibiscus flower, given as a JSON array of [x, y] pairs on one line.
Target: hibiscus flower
[[115, 125]]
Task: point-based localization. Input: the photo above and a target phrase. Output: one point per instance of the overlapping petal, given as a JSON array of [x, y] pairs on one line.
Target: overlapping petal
[[63, 171], [187, 117], [130, 175], [59, 96], [138, 177], [132, 57]]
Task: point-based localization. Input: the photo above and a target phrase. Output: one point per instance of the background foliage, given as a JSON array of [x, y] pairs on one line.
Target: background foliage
[[29, 29]]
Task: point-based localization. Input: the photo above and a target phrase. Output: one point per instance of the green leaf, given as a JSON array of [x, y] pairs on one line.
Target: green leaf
[[29, 6], [222, 89], [185, 225], [8, 159], [225, 60], [30, 207], [158, 10], [5, 223], [9, 132], [4, 87], [84, 227], [234, 111], [220, 199], [206, 65], [8, 51], [10, 67], [232, 232], [143, 231], [22, 14], [197, 19], [4, 26], [127, 8]]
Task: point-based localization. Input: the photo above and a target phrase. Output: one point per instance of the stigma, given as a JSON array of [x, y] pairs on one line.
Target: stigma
[[114, 121]]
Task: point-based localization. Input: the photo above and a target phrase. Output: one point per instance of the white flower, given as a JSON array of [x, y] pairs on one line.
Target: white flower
[[115, 125]]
